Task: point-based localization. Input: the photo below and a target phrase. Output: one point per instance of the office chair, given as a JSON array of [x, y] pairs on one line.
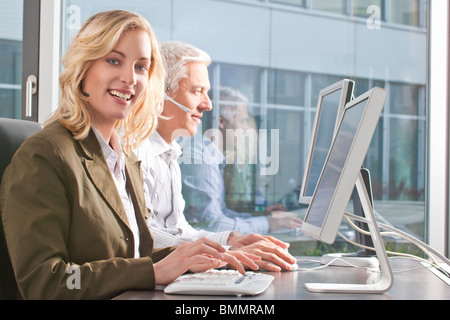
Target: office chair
[[12, 134]]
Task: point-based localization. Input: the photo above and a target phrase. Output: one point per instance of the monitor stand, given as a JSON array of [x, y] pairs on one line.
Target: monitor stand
[[386, 276], [364, 258]]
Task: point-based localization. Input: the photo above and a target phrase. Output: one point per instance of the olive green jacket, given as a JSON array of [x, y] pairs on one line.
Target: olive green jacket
[[66, 228]]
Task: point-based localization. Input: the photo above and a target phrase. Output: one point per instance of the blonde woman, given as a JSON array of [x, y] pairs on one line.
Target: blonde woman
[[72, 199]]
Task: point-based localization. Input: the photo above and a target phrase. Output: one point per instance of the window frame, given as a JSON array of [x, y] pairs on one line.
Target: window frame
[[30, 58], [49, 56]]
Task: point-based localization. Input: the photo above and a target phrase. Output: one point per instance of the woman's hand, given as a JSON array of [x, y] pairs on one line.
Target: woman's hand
[[240, 260], [199, 256]]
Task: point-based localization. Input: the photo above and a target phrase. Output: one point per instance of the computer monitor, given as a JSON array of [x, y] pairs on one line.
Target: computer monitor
[[343, 165], [340, 174], [330, 107]]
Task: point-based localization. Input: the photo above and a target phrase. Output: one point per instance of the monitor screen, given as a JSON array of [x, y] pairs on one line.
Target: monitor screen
[[342, 166], [330, 107], [335, 164]]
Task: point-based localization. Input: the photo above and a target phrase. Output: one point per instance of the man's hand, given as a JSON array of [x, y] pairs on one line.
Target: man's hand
[[273, 252], [284, 220]]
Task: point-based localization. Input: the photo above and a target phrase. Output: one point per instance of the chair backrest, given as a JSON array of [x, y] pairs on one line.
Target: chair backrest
[[12, 134]]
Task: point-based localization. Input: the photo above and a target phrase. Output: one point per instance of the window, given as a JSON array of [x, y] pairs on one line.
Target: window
[[300, 3], [11, 19], [361, 8], [286, 88], [19, 58], [406, 12], [281, 60], [333, 6]]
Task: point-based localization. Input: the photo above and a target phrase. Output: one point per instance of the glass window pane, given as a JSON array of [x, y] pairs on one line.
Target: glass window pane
[[11, 17], [300, 3], [361, 8], [405, 99], [404, 185], [286, 88], [404, 159], [281, 185], [406, 12], [246, 79], [334, 6]]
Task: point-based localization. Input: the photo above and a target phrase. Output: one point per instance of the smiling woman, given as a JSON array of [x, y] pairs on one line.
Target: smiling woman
[[78, 189], [71, 200]]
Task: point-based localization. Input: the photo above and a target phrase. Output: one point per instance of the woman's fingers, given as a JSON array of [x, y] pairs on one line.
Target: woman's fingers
[[204, 246], [242, 259], [203, 263], [202, 255]]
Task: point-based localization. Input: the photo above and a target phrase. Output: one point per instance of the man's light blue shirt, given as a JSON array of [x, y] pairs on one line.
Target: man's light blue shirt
[[202, 165]]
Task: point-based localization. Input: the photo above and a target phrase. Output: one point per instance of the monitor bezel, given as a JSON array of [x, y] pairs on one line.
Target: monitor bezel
[[347, 87], [376, 98]]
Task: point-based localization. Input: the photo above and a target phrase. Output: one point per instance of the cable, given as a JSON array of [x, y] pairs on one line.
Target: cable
[[390, 234], [330, 263], [406, 255], [396, 232], [359, 267], [403, 234], [416, 268]]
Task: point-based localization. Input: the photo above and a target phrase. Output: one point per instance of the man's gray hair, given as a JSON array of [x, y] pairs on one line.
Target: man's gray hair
[[175, 56], [230, 102]]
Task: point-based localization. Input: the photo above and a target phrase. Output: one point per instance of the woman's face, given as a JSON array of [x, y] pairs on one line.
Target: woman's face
[[116, 82]]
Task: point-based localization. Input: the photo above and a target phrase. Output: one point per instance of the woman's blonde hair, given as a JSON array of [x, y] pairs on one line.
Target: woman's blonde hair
[[97, 37]]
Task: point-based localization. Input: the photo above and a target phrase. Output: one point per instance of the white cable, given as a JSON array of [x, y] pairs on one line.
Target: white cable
[[393, 232], [359, 267], [405, 235], [406, 255], [413, 269], [328, 264], [390, 234]]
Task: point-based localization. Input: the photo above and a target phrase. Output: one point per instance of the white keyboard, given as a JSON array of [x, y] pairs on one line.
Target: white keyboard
[[221, 283]]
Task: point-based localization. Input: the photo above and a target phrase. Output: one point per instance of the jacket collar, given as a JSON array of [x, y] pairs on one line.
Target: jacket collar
[[100, 175]]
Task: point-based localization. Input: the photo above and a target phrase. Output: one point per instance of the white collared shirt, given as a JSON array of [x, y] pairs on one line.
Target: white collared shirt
[[116, 163], [162, 186]]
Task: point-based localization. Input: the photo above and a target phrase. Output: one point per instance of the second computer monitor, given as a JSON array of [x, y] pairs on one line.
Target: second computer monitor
[[330, 107], [343, 165]]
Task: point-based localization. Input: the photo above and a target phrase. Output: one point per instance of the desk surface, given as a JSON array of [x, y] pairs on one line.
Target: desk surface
[[412, 281]]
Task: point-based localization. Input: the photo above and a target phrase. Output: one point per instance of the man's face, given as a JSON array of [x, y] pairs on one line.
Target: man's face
[[192, 93]]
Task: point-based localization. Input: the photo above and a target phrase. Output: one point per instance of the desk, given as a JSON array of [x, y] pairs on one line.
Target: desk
[[418, 284]]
